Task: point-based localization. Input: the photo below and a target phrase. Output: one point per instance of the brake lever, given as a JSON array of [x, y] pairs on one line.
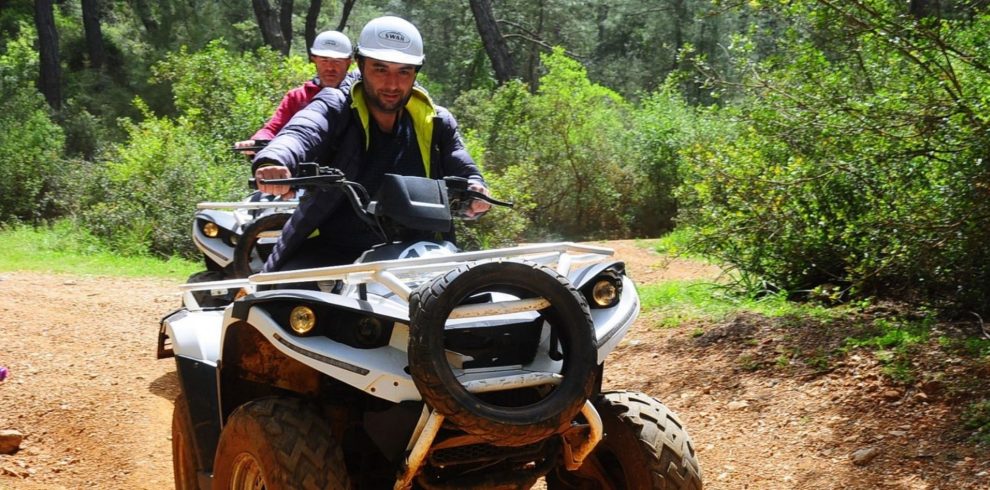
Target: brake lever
[[469, 194]]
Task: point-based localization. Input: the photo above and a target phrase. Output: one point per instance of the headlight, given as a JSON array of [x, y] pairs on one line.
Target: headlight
[[605, 294], [302, 319], [604, 290], [211, 229]]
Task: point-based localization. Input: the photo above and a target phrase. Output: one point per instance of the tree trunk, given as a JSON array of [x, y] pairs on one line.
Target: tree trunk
[[268, 22], [285, 22], [534, 52], [495, 46], [51, 72], [345, 12], [312, 16], [94, 33]]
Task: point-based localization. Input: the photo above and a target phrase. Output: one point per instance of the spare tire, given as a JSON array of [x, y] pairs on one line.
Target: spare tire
[[505, 423], [247, 248]]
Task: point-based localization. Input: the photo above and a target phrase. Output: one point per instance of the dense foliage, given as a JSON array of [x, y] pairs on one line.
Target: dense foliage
[[861, 166], [30, 142], [143, 194], [835, 149]]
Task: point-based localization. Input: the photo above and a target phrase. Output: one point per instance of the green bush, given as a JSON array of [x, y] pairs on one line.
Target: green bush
[[145, 194], [30, 142], [663, 126], [562, 153], [146, 197], [862, 169], [227, 96]]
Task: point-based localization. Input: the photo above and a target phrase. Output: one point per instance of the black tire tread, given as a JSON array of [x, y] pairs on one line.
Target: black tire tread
[[292, 427], [662, 436], [183, 469], [423, 302]]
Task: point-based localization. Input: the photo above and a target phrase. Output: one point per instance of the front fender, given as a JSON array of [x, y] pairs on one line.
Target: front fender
[[378, 371], [193, 334]]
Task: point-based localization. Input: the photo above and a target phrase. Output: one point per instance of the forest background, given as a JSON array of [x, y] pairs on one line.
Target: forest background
[[835, 149]]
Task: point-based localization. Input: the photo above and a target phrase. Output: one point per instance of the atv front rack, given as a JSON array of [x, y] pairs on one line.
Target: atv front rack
[[248, 205], [395, 274]]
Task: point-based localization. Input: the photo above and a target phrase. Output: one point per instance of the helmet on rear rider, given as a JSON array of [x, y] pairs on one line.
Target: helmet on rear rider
[[331, 44]]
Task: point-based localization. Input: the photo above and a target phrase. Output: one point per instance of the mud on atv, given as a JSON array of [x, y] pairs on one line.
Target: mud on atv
[[430, 368]]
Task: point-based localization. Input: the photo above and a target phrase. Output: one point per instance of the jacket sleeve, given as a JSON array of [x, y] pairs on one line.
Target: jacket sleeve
[[308, 133], [453, 156], [293, 100]]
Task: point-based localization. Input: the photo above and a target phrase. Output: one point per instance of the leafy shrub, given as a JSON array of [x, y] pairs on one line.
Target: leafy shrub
[[30, 142], [663, 126], [863, 168], [145, 195], [562, 152], [145, 198], [227, 96]]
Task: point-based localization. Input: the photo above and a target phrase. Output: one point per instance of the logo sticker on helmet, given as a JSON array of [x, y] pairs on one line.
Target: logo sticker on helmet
[[394, 39]]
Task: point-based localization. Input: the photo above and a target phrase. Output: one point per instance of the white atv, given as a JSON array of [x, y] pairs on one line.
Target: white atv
[[425, 368]]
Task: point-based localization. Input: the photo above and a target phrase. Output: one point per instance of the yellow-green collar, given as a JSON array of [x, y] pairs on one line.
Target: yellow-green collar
[[421, 110]]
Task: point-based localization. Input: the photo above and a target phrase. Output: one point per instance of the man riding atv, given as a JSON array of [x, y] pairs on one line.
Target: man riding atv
[[385, 125]]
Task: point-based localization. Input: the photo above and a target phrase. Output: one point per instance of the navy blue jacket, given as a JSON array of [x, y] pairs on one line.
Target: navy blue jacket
[[333, 131]]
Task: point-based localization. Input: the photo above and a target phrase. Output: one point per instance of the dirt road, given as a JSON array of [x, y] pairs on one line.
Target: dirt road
[[95, 405]]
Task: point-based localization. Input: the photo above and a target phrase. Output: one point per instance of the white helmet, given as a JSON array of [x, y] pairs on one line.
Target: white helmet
[[391, 39], [331, 44]]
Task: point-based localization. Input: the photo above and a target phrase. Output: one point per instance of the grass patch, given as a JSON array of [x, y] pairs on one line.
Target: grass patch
[[976, 418], [64, 248], [681, 301], [892, 343], [677, 243]]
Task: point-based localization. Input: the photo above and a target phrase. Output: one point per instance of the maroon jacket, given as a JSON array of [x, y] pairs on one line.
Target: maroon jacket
[[293, 101]]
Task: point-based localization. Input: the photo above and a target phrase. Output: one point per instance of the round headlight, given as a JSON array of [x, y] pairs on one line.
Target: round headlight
[[211, 229], [302, 319], [605, 294]]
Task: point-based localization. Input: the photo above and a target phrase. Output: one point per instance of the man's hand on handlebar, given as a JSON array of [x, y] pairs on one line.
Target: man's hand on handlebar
[[272, 172], [244, 144], [478, 207]]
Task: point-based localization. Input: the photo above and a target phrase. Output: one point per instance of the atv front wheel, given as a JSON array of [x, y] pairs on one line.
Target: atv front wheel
[[645, 447], [183, 455], [252, 249], [503, 417], [278, 444]]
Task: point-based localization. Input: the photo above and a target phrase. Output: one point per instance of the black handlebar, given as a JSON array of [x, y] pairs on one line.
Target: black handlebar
[[313, 176], [257, 146], [387, 219]]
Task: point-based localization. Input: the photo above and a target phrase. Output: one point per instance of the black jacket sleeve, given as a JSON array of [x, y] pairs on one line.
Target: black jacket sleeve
[[450, 152]]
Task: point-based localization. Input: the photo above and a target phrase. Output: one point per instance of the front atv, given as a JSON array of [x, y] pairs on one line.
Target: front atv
[[427, 369]]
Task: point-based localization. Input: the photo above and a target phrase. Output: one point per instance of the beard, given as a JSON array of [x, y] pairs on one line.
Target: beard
[[386, 104]]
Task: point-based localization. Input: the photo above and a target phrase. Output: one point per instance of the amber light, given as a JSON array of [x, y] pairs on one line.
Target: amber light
[[302, 319]]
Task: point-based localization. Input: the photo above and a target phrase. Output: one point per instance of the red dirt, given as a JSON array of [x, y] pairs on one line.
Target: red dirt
[[95, 405]]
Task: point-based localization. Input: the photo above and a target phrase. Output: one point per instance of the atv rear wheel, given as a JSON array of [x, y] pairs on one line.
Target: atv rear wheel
[[183, 455], [506, 421], [249, 253], [279, 444], [645, 447]]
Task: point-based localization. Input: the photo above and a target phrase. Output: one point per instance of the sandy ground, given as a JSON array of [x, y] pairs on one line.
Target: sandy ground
[[95, 405]]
